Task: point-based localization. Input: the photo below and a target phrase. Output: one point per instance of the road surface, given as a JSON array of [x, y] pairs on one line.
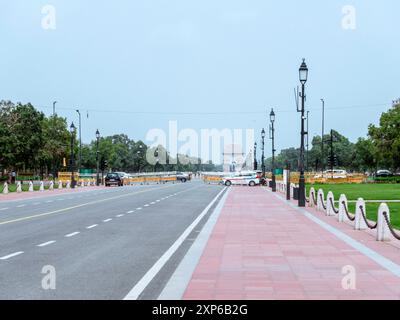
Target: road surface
[[98, 244]]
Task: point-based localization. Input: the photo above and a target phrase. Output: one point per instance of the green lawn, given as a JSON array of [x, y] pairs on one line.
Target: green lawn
[[367, 192]]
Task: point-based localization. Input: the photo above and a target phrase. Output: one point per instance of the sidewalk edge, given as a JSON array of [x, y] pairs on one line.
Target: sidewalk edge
[[179, 281]]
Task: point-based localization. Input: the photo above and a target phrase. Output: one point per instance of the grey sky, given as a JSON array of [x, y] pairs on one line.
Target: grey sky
[[233, 58]]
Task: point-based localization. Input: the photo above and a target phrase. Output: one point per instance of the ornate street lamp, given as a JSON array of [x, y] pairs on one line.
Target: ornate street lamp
[[72, 130], [255, 156], [97, 157], [272, 137], [263, 153], [303, 77]]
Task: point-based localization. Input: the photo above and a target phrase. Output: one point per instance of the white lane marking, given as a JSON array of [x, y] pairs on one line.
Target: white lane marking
[[147, 205], [139, 208], [152, 203], [373, 255], [92, 226], [158, 200], [46, 244], [11, 255], [119, 215], [132, 211], [72, 234], [2, 209], [107, 220], [176, 286], [155, 269], [21, 206], [49, 201]]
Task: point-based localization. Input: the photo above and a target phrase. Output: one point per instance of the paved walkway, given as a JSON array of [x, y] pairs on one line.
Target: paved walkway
[[263, 248]]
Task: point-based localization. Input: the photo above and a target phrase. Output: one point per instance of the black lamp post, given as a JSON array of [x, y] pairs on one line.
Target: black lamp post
[[303, 76], [255, 156], [97, 157], [72, 130], [272, 137], [263, 153]]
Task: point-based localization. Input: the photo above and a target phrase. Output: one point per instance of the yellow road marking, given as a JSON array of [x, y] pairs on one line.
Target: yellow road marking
[[78, 206]]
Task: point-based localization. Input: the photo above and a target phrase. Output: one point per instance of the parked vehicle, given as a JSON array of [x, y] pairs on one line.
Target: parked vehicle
[[332, 174], [243, 178], [183, 177], [114, 179], [384, 174]]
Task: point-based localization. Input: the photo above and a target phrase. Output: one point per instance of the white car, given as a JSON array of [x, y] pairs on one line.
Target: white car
[[248, 179]]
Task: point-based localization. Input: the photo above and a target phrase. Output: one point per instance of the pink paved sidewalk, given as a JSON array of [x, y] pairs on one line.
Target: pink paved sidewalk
[[14, 196], [261, 248]]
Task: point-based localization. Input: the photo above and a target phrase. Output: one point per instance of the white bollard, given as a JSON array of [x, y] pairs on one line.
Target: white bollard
[[343, 205], [359, 221], [312, 198], [60, 184], [51, 186], [30, 186], [41, 186], [330, 202], [320, 200], [5, 189], [19, 187], [383, 232], [68, 186]]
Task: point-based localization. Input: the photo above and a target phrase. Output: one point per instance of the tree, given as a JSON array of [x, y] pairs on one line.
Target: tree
[[386, 138]]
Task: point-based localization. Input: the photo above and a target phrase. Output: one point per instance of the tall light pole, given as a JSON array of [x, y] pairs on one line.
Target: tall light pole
[[263, 152], [255, 156], [80, 139], [303, 76], [272, 137], [97, 157], [54, 133], [308, 142], [72, 130], [322, 137]]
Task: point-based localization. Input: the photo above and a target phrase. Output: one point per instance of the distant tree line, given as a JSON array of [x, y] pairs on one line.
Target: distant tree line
[[380, 149], [32, 142]]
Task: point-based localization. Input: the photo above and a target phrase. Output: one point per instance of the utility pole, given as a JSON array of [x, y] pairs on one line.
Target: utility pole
[[80, 139]]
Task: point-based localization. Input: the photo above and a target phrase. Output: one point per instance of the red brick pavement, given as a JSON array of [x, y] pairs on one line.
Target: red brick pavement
[[261, 248]]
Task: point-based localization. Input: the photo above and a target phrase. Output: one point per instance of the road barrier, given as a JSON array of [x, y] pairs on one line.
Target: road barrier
[[383, 227]]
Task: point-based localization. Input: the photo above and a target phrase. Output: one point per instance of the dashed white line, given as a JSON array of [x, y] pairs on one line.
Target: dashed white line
[[107, 220], [2, 209], [46, 244], [72, 234], [119, 215], [147, 205], [21, 206], [158, 200], [132, 211], [49, 201], [92, 226], [11, 255], [152, 203], [139, 208]]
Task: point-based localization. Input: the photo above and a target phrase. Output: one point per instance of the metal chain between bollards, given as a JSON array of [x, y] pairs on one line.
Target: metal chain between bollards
[[322, 200], [333, 206], [371, 226], [392, 231], [347, 212]]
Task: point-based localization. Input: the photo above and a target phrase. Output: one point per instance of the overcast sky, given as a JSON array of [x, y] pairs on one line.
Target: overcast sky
[[236, 59]]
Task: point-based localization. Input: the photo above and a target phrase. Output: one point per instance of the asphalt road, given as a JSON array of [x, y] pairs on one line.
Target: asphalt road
[[96, 244]]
